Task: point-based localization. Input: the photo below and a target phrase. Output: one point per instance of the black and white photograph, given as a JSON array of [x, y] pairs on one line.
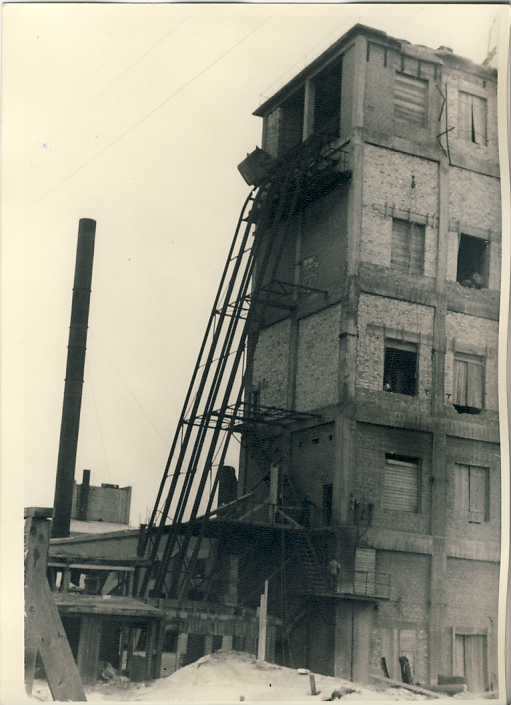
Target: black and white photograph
[[255, 282]]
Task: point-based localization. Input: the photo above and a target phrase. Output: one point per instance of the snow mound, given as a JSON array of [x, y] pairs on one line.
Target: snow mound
[[234, 677]]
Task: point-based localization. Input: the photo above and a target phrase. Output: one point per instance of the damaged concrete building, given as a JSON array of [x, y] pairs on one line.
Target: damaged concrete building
[[388, 339], [352, 350]]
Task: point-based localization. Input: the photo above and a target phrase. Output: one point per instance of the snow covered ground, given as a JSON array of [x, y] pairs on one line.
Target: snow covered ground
[[233, 677]]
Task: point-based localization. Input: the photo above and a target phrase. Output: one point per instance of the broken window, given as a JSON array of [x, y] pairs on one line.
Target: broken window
[[400, 368], [410, 99], [291, 122], [471, 492], [401, 486], [468, 393], [327, 100], [472, 262], [472, 118], [407, 251]]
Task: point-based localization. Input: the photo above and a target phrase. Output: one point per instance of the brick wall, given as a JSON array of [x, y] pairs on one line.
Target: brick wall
[[410, 582], [318, 359], [460, 450], [372, 443], [472, 602], [474, 199], [270, 363], [324, 240], [380, 316], [479, 336], [387, 182], [313, 458]]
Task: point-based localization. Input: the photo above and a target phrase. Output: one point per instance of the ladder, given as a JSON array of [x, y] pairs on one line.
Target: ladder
[[202, 434]]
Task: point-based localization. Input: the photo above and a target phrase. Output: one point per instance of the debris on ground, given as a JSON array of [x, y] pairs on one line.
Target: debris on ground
[[233, 677]]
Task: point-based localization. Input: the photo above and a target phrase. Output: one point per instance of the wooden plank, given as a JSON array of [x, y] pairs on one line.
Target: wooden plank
[[407, 686], [45, 630], [263, 623], [88, 648]]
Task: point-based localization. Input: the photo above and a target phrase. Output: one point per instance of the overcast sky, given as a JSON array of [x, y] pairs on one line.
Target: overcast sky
[[136, 116]]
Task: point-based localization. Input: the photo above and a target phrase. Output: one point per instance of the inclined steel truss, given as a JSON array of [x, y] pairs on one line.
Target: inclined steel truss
[[214, 403]]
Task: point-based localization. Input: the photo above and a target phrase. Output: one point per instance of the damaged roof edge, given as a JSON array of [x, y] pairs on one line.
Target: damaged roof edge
[[439, 56]]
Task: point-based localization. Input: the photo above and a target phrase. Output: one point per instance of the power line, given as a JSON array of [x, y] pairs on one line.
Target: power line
[[122, 73], [154, 110]]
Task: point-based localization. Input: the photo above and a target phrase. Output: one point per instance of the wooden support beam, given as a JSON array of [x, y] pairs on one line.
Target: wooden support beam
[[407, 686], [44, 631], [88, 648], [263, 624]]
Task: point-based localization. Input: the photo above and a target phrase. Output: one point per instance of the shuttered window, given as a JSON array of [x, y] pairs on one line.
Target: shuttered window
[[407, 252], [468, 381], [401, 487], [471, 492], [472, 118], [410, 99]]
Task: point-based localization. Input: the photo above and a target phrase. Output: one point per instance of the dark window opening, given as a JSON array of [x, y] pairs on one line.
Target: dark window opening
[[327, 100], [217, 642], [472, 262], [468, 393], [315, 440], [400, 368], [291, 122], [327, 504], [170, 641]]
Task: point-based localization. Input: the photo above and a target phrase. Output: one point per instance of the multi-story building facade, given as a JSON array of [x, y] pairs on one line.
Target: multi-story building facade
[[389, 342]]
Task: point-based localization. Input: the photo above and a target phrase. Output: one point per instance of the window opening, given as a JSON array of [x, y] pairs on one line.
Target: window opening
[[401, 487], [291, 121], [470, 661], [327, 100], [400, 368], [410, 99], [468, 383], [407, 250], [472, 262], [471, 491], [472, 118], [170, 641]]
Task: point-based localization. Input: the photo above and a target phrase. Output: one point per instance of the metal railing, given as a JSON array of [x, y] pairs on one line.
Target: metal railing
[[364, 583]]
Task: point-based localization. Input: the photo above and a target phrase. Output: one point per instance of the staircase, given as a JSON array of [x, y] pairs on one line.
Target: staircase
[[313, 569]]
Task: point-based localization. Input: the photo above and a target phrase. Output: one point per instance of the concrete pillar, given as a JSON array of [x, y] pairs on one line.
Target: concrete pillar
[[362, 623], [208, 644], [343, 640], [227, 640], [181, 649]]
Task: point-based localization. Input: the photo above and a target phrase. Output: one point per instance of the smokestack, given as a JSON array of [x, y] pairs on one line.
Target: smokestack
[[74, 379], [83, 498]]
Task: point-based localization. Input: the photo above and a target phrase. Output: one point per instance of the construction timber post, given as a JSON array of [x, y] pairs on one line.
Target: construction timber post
[[74, 379]]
